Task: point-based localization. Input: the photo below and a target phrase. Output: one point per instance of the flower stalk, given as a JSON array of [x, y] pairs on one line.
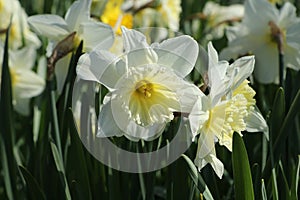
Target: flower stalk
[[277, 36]]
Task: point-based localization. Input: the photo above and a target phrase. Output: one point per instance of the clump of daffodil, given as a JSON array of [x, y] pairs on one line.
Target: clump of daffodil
[[264, 32], [218, 17], [146, 84], [25, 82], [229, 107], [12, 13], [77, 19]]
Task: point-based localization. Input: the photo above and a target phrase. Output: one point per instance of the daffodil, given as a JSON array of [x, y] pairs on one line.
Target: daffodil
[[229, 107], [20, 35], [165, 14], [77, 19], [218, 17], [25, 82], [146, 84], [257, 34]]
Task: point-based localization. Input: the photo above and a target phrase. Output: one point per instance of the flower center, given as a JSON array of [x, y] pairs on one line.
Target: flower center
[[229, 117], [144, 89]]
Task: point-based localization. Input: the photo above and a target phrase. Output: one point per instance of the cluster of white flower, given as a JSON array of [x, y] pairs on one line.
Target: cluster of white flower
[[22, 54]]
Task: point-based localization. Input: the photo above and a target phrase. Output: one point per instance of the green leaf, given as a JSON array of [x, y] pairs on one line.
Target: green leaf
[[287, 123], [295, 181], [278, 113], [35, 192], [60, 168], [6, 127], [80, 172], [196, 177], [263, 190], [243, 186]]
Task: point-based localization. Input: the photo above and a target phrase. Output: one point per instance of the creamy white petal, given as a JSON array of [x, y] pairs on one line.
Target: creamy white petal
[[179, 53], [260, 11], [61, 71], [242, 68], [206, 144], [107, 126], [255, 122], [23, 58], [287, 15], [198, 116], [101, 66], [211, 158], [52, 26], [137, 49], [27, 84], [188, 95], [96, 34], [266, 68], [78, 12]]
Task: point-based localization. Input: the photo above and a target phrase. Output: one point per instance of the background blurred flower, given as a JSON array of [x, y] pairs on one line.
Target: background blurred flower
[[219, 17], [163, 13], [20, 35], [256, 35], [229, 108], [146, 84], [25, 82], [94, 34]]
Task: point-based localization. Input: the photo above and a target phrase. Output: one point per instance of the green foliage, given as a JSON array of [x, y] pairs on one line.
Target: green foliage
[[42, 157]]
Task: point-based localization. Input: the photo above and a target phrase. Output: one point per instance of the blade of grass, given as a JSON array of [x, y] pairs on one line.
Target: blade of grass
[[243, 186], [60, 168], [35, 192], [196, 177], [7, 132]]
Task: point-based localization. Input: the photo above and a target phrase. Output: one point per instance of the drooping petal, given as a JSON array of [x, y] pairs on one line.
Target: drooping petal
[[212, 159], [255, 122], [52, 26], [78, 12], [179, 53], [96, 34], [27, 84]]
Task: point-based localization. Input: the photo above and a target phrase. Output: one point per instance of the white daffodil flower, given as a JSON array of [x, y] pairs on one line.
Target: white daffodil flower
[[20, 35], [146, 84], [257, 33], [229, 107], [218, 17], [55, 28], [25, 82]]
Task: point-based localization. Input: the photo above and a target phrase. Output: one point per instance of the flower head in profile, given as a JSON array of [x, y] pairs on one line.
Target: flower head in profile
[[258, 34], [146, 84], [77, 19], [229, 107], [25, 82], [20, 35], [218, 18]]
